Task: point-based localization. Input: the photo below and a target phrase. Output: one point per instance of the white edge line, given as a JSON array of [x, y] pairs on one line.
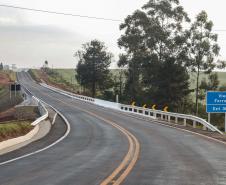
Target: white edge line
[[47, 147], [175, 127], [54, 119]]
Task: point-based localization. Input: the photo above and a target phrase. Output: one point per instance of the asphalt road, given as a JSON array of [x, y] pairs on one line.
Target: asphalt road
[[106, 147]]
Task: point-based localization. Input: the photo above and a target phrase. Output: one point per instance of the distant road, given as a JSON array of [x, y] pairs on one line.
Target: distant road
[[106, 147]]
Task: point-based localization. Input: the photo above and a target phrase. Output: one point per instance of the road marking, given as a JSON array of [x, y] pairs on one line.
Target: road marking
[[47, 147], [43, 149], [132, 115], [128, 162], [54, 119]]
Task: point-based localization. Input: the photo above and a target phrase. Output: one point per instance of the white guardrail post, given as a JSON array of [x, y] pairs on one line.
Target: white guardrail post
[[155, 114]]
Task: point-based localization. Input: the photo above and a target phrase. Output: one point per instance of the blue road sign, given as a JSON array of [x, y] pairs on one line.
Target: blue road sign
[[216, 102]]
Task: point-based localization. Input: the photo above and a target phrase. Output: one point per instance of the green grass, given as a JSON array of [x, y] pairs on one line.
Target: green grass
[[68, 75], [14, 128], [11, 75], [221, 78], [6, 102], [34, 74], [2, 90]]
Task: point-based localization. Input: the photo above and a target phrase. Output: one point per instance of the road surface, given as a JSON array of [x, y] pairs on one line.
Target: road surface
[[106, 147]]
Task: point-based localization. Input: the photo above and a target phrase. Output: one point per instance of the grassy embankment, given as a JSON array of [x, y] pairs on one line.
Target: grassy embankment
[[68, 76], [62, 78], [7, 77], [10, 129], [14, 129]]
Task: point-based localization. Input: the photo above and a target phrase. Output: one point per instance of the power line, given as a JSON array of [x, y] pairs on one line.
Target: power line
[[59, 13], [74, 15]]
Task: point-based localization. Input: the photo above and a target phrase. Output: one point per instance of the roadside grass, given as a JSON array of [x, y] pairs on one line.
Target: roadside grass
[[14, 129], [221, 78], [6, 102], [66, 78], [34, 74], [69, 76], [12, 76], [2, 90]]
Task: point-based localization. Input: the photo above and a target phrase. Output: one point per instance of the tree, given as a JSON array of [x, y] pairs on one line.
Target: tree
[[46, 63], [1, 66], [92, 68], [153, 37], [203, 48], [171, 85], [211, 85], [118, 78]]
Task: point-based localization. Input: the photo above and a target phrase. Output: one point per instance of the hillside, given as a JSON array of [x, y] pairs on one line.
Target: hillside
[[7, 77], [69, 74]]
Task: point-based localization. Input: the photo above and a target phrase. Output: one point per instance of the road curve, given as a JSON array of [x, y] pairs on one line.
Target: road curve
[[99, 141]]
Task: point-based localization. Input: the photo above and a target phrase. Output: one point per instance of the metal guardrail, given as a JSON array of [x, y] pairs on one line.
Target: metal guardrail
[[167, 116], [155, 114], [42, 110], [77, 96]]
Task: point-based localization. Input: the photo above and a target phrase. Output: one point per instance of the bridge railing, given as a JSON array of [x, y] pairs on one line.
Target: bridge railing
[[170, 117], [77, 96], [155, 114]]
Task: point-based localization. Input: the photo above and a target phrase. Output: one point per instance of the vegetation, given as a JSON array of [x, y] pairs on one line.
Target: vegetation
[[160, 56], [162, 62], [203, 48], [1, 66], [5, 102], [34, 74], [92, 69], [14, 129], [155, 54]]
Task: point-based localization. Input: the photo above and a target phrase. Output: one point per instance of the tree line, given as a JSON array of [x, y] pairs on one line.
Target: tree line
[[159, 55]]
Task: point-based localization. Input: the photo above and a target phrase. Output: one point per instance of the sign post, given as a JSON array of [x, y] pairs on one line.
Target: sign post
[[209, 117], [14, 87], [216, 103]]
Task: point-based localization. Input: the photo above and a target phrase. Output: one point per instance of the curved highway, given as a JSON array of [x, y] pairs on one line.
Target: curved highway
[[106, 147]]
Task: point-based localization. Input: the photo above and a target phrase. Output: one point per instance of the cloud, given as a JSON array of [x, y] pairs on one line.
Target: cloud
[[28, 45]]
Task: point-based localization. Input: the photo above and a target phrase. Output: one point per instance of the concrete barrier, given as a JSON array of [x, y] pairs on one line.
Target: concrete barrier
[[15, 141]]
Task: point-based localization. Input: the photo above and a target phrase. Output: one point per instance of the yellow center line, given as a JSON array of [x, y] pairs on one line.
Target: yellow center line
[[130, 158]]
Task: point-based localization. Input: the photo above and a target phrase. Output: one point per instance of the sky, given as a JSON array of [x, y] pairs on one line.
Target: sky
[[28, 38]]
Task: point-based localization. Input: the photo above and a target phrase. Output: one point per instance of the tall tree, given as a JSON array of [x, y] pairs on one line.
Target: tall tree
[[203, 48], [93, 66], [153, 37], [1, 66]]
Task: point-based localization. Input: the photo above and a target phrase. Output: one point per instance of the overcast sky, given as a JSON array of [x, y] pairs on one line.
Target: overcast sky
[[27, 38]]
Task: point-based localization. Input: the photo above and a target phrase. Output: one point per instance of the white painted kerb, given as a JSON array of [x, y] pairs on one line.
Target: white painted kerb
[[18, 140]]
